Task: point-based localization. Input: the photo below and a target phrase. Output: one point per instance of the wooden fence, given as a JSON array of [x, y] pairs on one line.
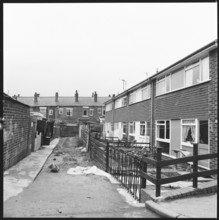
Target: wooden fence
[[132, 170], [159, 163]]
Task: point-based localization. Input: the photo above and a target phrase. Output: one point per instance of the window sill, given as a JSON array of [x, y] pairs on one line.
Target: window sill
[[186, 144], [163, 140], [85, 116], [139, 101]]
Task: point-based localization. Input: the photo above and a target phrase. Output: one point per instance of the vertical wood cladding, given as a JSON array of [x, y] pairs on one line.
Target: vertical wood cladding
[[213, 106], [186, 103], [16, 132]]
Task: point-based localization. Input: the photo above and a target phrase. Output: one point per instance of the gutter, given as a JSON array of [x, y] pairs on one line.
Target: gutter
[[208, 47]]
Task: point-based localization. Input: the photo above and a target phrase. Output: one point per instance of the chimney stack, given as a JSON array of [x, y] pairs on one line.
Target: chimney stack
[[36, 95], [95, 96], [76, 96], [56, 97]]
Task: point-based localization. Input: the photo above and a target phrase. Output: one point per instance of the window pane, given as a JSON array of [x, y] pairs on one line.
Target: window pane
[[161, 87], [160, 131], [189, 77], [142, 130], [177, 80], [205, 69], [188, 133], [192, 76], [196, 78], [203, 137], [168, 83]]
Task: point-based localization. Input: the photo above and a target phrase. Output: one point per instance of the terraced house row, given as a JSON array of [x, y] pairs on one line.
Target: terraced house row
[[173, 108]]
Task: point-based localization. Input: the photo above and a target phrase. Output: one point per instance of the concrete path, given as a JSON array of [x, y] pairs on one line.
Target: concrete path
[[185, 202], [202, 206], [25, 171], [63, 195]]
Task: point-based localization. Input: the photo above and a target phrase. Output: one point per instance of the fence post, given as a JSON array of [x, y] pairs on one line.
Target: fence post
[[195, 165], [107, 156], [158, 171], [144, 169]]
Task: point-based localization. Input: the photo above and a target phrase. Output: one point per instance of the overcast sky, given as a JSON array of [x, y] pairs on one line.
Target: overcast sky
[[91, 47]]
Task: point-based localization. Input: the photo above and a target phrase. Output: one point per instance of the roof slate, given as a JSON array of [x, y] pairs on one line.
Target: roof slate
[[63, 101]]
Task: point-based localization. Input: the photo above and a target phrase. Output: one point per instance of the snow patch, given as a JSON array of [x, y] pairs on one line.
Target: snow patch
[[91, 170], [129, 199], [84, 149]]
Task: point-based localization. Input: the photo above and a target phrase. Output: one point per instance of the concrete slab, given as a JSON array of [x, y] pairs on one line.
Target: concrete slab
[[25, 171]]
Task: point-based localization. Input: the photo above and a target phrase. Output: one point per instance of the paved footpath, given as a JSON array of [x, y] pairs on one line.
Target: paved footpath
[[63, 195]]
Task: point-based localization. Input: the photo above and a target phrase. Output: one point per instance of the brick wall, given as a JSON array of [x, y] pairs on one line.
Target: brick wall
[[16, 131], [78, 112], [213, 106]]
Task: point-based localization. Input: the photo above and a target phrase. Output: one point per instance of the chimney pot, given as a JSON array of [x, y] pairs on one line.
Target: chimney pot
[[36, 95], [95, 96], [56, 97], [76, 96]]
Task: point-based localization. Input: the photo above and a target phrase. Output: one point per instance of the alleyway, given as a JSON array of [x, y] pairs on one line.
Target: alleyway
[[63, 195]]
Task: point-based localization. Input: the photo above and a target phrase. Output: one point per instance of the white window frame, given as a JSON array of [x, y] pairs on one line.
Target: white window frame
[[91, 112], [145, 90], [189, 124], [85, 109], [143, 123], [124, 123], [108, 107], [132, 131], [192, 66], [124, 101], [99, 110], [159, 81], [50, 111], [185, 69], [167, 140], [69, 110], [60, 111], [132, 98]]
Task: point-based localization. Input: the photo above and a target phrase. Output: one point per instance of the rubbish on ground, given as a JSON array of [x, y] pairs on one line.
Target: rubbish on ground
[[54, 168], [58, 153], [54, 158], [84, 149]]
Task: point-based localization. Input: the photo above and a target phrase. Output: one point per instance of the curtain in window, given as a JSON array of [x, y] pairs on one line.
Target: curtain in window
[[189, 133], [185, 132], [193, 132]]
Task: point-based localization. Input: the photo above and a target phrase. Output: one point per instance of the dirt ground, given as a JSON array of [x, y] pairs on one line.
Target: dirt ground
[[62, 195]]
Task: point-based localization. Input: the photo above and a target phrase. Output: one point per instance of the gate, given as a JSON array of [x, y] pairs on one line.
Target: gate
[[69, 130]]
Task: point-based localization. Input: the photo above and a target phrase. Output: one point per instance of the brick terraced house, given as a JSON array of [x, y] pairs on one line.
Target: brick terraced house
[[173, 108], [68, 111]]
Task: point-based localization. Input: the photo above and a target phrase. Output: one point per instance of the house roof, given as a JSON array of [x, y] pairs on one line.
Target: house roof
[[13, 100], [212, 45], [63, 101]]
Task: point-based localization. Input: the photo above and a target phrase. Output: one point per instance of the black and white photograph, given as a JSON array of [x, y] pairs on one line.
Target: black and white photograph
[[110, 110]]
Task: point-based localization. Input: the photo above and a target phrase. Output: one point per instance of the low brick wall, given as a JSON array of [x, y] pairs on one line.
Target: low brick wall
[[17, 133]]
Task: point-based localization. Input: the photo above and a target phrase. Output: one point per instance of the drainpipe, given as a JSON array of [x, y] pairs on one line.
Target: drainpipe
[[152, 132], [113, 109]]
